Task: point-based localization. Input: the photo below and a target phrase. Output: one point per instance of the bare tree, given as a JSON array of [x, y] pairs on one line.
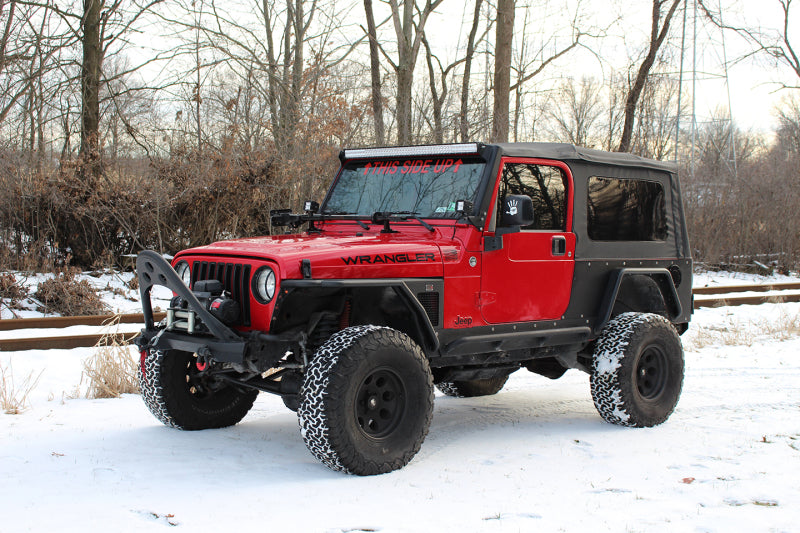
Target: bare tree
[[463, 122], [269, 52], [653, 134], [100, 28], [409, 31], [575, 110], [788, 134], [776, 44], [614, 111], [659, 29], [375, 75], [438, 96], [532, 62], [504, 25]]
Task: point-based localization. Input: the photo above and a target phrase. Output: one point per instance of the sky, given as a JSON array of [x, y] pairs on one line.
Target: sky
[[754, 82], [622, 30]]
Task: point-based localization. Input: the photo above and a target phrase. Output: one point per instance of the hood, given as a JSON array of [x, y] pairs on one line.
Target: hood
[[372, 255]]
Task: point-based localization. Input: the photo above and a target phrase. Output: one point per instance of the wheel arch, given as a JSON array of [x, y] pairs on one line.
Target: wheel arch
[[392, 303], [624, 282]]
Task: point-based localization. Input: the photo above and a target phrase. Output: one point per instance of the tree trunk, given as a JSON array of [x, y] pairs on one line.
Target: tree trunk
[[463, 123], [90, 86], [436, 99], [375, 72], [502, 69], [657, 37], [405, 68], [409, 38]]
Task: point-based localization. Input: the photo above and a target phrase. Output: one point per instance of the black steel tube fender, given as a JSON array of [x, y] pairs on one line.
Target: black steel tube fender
[[661, 276], [426, 331]]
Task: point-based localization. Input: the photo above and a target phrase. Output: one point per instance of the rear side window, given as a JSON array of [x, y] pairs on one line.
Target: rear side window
[[626, 210]]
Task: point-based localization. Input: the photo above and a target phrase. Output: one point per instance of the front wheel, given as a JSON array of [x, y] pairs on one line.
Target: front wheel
[[366, 401], [637, 371], [180, 394]]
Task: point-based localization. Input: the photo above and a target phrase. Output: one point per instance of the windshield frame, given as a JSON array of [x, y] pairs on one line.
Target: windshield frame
[[476, 199]]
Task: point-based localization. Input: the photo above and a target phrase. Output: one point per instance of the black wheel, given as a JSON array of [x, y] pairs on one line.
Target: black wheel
[[637, 371], [472, 388], [366, 401], [181, 395]]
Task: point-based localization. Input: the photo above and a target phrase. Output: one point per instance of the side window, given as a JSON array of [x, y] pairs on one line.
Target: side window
[[626, 210], [546, 187]]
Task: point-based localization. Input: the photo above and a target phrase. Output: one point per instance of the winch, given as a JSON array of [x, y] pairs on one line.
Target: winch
[[214, 298]]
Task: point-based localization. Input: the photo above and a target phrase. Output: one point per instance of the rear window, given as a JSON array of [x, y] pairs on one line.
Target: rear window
[[626, 210]]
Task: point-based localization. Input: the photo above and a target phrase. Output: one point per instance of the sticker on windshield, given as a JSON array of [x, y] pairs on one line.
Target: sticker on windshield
[[441, 210], [413, 166]]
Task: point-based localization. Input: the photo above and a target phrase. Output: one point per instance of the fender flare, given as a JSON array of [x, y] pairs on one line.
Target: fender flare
[[425, 332], [662, 278]]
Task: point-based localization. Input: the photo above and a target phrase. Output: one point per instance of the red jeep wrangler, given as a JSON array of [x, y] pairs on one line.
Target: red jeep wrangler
[[451, 265]]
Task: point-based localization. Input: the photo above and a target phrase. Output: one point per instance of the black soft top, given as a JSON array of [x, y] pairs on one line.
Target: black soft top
[[570, 152], [584, 163]]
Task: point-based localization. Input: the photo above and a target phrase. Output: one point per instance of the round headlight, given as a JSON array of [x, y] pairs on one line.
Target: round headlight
[[184, 272], [264, 283]]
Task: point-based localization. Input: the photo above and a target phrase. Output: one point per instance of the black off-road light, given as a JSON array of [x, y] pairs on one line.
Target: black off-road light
[[463, 206]]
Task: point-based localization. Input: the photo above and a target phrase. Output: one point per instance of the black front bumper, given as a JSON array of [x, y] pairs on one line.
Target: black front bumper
[[212, 340], [218, 341]]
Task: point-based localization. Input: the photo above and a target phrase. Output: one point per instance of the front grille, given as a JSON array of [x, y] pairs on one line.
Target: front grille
[[430, 302], [235, 279]]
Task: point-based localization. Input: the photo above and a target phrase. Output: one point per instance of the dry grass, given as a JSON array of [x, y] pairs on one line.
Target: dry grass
[[111, 371], [745, 333], [13, 396]]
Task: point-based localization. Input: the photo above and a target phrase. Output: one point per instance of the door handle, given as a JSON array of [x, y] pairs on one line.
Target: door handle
[[559, 245]]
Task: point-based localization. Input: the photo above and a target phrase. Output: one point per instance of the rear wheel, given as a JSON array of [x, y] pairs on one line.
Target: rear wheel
[[366, 401], [637, 371], [179, 392], [473, 388]]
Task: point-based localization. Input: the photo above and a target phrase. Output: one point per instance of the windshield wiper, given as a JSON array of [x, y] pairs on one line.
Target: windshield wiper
[[384, 217], [347, 214]]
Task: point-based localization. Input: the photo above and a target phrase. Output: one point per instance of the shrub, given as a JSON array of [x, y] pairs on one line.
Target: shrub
[[66, 295], [11, 290]]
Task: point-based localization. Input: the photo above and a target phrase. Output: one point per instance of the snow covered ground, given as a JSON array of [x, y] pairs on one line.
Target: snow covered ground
[[535, 457]]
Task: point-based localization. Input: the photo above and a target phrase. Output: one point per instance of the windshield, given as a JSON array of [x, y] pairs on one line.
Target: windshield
[[427, 187]]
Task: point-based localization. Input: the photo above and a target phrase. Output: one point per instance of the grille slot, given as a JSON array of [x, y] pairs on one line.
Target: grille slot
[[235, 278], [430, 302]]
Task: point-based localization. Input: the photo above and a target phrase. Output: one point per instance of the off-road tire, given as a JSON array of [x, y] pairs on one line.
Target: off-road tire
[[637, 370], [367, 400], [472, 388], [174, 393]]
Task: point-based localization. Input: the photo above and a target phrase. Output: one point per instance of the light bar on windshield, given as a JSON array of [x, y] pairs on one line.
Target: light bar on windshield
[[404, 151]]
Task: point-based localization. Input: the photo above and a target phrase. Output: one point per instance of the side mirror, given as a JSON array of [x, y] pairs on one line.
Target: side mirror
[[517, 211]]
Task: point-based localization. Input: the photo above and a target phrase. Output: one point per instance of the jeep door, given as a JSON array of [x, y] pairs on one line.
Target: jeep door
[[529, 276]]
